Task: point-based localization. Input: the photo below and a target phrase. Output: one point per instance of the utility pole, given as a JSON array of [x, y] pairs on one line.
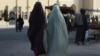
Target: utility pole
[[27, 9], [16, 9], [16, 14], [48, 2]]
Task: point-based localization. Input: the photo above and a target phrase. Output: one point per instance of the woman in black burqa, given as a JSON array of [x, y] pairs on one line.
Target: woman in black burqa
[[37, 22]]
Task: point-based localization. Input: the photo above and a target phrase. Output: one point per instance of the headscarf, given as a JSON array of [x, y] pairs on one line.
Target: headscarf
[[36, 28], [57, 35]]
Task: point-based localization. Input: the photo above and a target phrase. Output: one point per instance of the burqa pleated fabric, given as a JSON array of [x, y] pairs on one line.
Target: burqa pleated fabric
[[57, 35], [36, 28]]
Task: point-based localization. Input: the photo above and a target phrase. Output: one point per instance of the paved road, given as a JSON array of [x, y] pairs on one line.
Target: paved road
[[16, 44]]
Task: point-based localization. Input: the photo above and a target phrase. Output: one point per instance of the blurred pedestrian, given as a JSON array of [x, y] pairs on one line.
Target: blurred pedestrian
[[82, 27], [57, 34], [19, 24], [37, 23]]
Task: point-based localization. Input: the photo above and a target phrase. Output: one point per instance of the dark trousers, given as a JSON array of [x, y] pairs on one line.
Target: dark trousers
[[80, 34]]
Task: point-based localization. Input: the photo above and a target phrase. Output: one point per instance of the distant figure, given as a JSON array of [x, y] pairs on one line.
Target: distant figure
[[93, 19], [37, 24], [68, 24], [57, 34], [88, 17], [82, 26], [19, 24], [96, 18]]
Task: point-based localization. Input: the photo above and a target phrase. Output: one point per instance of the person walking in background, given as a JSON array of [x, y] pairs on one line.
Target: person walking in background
[[37, 24], [82, 27], [57, 34], [19, 24], [68, 24]]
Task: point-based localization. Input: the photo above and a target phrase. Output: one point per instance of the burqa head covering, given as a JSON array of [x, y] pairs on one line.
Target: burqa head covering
[[37, 15], [36, 29], [57, 35]]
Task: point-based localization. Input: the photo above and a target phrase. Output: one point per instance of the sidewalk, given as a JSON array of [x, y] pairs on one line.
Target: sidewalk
[[14, 43], [92, 49]]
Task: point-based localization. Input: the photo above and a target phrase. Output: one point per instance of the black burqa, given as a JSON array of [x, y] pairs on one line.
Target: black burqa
[[36, 28]]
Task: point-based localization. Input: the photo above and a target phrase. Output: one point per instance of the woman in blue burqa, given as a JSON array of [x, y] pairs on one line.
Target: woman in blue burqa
[[36, 29], [57, 35]]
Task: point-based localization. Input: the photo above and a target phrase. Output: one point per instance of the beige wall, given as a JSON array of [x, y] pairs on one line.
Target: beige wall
[[89, 4], [92, 4], [22, 3], [96, 5], [3, 3], [79, 5]]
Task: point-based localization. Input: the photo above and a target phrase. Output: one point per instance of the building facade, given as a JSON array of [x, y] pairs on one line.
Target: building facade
[[27, 5]]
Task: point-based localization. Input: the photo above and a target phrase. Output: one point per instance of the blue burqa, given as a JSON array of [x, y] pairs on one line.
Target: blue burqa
[[57, 34]]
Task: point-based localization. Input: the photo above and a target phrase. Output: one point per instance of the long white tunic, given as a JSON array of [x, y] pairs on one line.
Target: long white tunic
[[57, 35]]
